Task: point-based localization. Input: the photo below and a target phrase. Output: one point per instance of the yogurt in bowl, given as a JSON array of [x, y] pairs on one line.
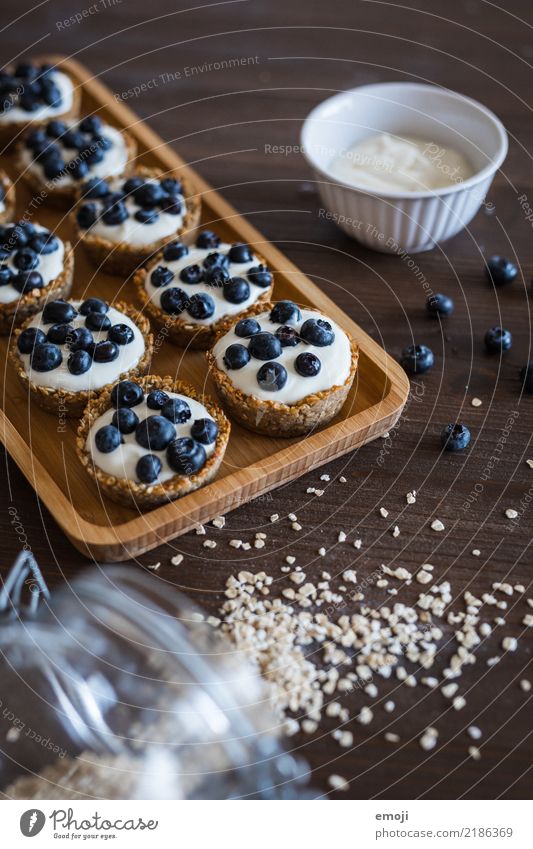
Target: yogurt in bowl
[[402, 166]]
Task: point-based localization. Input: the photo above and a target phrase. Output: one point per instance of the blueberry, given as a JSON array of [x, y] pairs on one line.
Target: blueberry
[[36, 140], [171, 186], [236, 356], [105, 352], [81, 339], [416, 359], [73, 140], [6, 275], [155, 433], [272, 377], [91, 124], [58, 333], [208, 240], [103, 142], [59, 312], [121, 334], [126, 393], [317, 331], [264, 346], [29, 338], [236, 290], [161, 276], [125, 420], [307, 364], [148, 468], [51, 93], [174, 251], [146, 216], [173, 301], [107, 439], [191, 274], [501, 270], [176, 410], [87, 215], [288, 336], [526, 377], [14, 236], [186, 456], [439, 305], [46, 357], [53, 168], [95, 189], [455, 437], [497, 339], [97, 321], [156, 399], [240, 252], [79, 362], [27, 281], [148, 195], [25, 70], [44, 243], [247, 327], [285, 312], [131, 184], [217, 276], [115, 214], [260, 275], [171, 207], [201, 306], [55, 129], [93, 305], [215, 260], [204, 431], [78, 169]]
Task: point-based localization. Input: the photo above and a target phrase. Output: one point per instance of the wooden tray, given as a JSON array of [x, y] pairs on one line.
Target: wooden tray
[[44, 449]]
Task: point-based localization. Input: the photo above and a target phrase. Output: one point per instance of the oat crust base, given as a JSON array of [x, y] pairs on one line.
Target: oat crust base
[[9, 201], [132, 494]]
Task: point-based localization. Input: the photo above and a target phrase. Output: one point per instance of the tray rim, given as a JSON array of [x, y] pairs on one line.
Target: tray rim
[[153, 528]]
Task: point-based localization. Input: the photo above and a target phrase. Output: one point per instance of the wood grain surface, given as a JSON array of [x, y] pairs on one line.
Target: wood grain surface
[[228, 86]]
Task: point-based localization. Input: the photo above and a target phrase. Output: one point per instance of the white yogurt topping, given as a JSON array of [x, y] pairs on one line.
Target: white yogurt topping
[[114, 161], [122, 462], [400, 163], [50, 266], [99, 374], [223, 307], [335, 359], [135, 232], [64, 84]]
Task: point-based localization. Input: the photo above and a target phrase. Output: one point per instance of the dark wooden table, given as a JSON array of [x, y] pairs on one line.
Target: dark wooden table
[[225, 121]]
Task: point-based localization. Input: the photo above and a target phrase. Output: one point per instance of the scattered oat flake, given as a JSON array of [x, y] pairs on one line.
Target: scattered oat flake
[[322, 551], [509, 644], [396, 531], [525, 685], [474, 732], [219, 521], [530, 463], [437, 525], [357, 543], [476, 402], [13, 734], [296, 526], [341, 537], [429, 739], [177, 559], [424, 577], [274, 517], [153, 566], [342, 479], [235, 543], [290, 559], [474, 753], [209, 543], [476, 552], [411, 497], [337, 782], [383, 512], [389, 706], [292, 517], [459, 703], [200, 530], [511, 513], [325, 477], [391, 737]]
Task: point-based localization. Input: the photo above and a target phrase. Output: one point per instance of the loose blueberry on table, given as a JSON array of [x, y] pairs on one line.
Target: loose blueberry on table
[[501, 270], [455, 437], [439, 305], [497, 339], [417, 359]]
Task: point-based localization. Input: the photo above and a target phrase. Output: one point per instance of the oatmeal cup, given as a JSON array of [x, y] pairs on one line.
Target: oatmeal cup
[[122, 222], [35, 266], [283, 370], [189, 292], [7, 198], [73, 350], [149, 441], [56, 158], [31, 94]]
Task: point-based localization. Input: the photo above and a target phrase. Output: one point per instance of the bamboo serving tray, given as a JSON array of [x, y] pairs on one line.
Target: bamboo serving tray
[[43, 447]]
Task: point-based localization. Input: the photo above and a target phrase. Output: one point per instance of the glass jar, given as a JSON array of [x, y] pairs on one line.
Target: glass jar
[[118, 688]]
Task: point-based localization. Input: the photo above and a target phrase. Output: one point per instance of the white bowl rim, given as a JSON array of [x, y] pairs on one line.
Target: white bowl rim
[[471, 182]]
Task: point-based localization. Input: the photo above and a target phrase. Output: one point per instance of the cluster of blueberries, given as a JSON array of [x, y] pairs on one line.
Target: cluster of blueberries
[[417, 359], [44, 348], [149, 196], [185, 455], [24, 244], [214, 271], [262, 345], [62, 149], [29, 87]]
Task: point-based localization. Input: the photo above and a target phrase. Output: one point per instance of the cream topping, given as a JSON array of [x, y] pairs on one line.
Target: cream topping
[[335, 362], [122, 462]]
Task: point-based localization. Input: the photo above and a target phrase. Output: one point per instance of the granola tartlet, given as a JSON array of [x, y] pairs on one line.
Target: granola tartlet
[[31, 94], [124, 221], [189, 292], [73, 350], [35, 266], [150, 441], [7, 198], [58, 157], [283, 370]]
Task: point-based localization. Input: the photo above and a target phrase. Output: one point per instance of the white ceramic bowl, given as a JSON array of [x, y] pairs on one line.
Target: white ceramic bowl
[[396, 222]]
